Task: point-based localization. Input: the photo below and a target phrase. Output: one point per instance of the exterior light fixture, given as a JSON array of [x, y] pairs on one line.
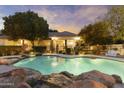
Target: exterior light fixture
[[21, 41], [77, 38], [54, 38]]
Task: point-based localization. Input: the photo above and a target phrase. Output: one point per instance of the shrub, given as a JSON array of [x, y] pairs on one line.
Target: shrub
[[10, 50], [40, 49], [68, 51]]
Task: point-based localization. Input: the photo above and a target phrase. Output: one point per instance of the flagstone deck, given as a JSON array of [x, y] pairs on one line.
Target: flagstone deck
[[6, 68]]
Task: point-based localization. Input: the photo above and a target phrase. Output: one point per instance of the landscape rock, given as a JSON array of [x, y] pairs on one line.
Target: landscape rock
[[26, 78], [86, 84], [7, 82], [118, 85], [45, 84], [33, 82], [23, 85], [69, 75], [19, 77], [107, 80], [32, 76], [15, 79], [117, 78], [58, 80]]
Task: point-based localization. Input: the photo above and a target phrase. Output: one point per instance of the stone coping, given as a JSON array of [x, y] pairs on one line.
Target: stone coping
[[67, 56], [86, 56], [15, 58], [11, 56]]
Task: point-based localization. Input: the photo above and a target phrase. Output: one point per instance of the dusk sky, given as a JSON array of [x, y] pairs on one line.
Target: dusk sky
[[63, 18]]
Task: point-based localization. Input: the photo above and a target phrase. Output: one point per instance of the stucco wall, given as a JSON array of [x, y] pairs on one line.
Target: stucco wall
[[8, 42]]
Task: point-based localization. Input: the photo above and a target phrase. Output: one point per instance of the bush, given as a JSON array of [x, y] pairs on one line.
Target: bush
[[68, 51], [10, 50], [40, 49]]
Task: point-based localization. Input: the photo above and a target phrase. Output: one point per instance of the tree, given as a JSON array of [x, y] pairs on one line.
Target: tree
[[96, 33], [51, 30], [115, 19], [25, 25]]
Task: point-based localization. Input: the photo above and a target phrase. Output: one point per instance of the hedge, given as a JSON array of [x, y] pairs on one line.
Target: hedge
[[40, 49], [10, 50]]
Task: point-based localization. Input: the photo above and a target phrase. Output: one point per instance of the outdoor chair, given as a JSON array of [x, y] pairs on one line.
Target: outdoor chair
[[111, 53]]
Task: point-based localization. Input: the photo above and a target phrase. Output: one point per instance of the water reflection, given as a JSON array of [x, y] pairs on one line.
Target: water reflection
[[54, 64], [57, 60], [60, 59]]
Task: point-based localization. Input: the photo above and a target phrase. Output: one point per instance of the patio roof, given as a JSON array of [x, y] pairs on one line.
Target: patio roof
[[62, 34]]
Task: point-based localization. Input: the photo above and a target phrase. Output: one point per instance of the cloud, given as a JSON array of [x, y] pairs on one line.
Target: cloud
[[65, 27], [90, 13], [65, 18]]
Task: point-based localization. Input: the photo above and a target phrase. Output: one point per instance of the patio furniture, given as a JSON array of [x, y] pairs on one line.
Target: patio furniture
[[111, 53]]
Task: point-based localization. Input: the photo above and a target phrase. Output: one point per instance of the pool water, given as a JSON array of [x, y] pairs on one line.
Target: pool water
[[76, 66]]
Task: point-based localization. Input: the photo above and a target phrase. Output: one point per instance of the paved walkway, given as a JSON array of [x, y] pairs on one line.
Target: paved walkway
[[6, 68], [10, 59], [13, 56]]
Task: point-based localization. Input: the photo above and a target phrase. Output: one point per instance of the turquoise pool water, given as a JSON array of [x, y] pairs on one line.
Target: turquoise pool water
[[53, 64]]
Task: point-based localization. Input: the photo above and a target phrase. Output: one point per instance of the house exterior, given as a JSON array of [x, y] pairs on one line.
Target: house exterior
[[62, 40], [57, 41], [5, 41]]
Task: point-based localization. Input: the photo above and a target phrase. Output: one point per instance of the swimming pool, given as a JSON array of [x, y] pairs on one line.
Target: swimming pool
[[53, 64]]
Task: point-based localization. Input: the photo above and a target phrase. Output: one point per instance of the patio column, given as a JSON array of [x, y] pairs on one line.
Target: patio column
[[66, 46], [51, 46], [22, 42]]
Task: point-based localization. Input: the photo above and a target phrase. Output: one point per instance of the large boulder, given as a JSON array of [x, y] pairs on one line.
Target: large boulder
[[15, 79], [43, 86], [6, 82], [57, 80], [19, 77], [107, 80], [32, 74], [117, 78], [32, 77], [118, 85], [25, 78], [86, 84], [23, 85], [69, 75]]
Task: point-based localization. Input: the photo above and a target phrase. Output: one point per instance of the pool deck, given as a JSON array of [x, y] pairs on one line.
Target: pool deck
[[11, 59], [13, 56], [5, 69]]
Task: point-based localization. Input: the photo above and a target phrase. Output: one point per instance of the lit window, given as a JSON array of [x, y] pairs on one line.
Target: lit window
[[77, 38], [54, 38]]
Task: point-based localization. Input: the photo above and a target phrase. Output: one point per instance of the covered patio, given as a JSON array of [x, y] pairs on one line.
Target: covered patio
[[61, 41]]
